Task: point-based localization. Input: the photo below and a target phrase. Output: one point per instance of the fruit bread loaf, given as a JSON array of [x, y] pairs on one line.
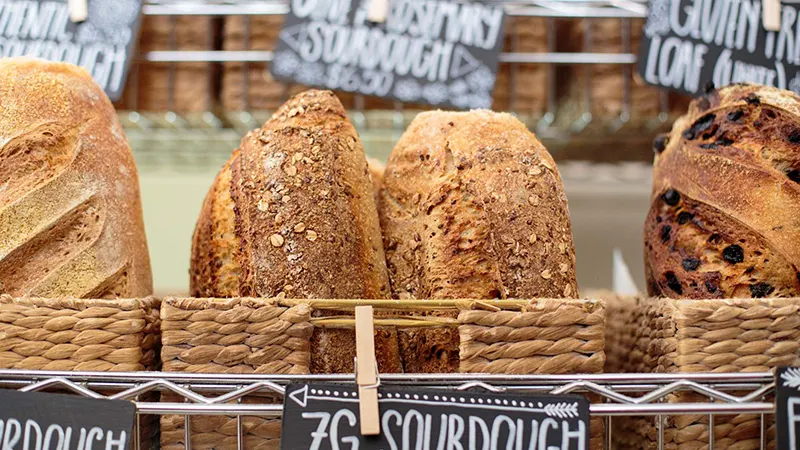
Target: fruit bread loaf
[[70, 211], [472, 206], [723, 220], [292, 213]]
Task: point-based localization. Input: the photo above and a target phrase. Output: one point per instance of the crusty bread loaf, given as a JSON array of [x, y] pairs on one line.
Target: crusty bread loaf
[[472, 206], [293, 213], [70, 210], [725, 201]]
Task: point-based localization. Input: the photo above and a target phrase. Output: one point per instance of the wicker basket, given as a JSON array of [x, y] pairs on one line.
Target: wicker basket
[[604, 84], [74, 334], [737, 335], [179, 87], [288, 336], [120, 335]]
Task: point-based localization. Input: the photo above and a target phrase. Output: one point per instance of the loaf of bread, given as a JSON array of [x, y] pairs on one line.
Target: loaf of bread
[[70, 210], [376, 170], [472, 206], [723, 220], [293, 212]]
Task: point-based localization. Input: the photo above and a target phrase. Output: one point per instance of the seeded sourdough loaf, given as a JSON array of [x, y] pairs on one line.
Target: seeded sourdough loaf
[[70, 211], [376, 169], [723, 220], [472, 206], [292, 214]]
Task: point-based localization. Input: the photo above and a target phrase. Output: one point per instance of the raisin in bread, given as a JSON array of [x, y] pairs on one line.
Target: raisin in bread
[[70, 210], [472, 206], [723, 221]]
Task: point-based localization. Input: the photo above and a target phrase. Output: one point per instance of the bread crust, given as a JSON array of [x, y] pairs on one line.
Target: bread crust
[[723, 220], [305, 220], [473, 206], [70, 208]]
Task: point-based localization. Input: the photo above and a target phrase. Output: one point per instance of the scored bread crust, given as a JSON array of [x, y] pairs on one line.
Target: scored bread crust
[[70, 208], [725, 203], [472, 206], [304, 216]]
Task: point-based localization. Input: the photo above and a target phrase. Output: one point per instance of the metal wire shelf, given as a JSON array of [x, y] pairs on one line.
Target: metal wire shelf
[[554, 126], [613, 395]]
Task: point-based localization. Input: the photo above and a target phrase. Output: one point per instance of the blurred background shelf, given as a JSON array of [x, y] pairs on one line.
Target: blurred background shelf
[[201, 80]]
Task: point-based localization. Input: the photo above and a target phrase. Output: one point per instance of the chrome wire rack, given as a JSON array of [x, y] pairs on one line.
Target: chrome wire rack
[[612, 395], [219, 130]]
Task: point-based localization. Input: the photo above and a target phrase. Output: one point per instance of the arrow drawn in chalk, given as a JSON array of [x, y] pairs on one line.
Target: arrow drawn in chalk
[[294, 36], [463, 62], [300, 396]]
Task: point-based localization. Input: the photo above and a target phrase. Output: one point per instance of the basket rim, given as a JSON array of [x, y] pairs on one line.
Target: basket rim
[[385, 304], [124, 304]]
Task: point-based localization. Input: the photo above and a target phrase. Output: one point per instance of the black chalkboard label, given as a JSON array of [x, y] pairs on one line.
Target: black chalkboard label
[[325, 416], [787, 407], [440, 52], [688, 43], [103, 44], [34, 420]]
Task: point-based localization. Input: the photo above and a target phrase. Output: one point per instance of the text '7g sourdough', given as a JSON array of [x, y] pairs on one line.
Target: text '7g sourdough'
[[325, 416]]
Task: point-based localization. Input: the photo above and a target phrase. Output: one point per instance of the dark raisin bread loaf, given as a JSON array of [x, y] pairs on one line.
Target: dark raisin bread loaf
[[724, 218]]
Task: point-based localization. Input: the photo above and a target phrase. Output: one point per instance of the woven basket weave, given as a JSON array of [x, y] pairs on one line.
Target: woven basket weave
[[736, 335], [121, 335], [275, 336], [75, 334]]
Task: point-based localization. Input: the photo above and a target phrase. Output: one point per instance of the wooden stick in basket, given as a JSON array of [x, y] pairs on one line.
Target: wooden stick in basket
[[367, 372]]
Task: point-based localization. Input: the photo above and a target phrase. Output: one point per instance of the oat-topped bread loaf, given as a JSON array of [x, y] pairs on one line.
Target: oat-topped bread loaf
[[724, 218], [292, 213], [70, 212], [472, 206]]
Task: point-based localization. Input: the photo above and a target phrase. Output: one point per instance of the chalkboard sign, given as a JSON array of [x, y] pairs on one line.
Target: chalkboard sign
[[787, 407], [440, 52], [33, 420], [325, 416], [103, 44], [688, 43]]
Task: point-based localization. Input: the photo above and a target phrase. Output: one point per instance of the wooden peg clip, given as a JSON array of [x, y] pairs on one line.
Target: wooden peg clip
[[771, 14], [78, 10], [377, 10], [366, 367]]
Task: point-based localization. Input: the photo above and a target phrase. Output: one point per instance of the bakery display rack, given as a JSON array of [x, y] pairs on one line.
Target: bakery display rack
[[614, 395], [568, 128]]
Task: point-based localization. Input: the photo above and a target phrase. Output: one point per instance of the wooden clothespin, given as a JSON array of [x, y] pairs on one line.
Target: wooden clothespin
[[78, 10], [366, 367], [771, 14], [377, 10]]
